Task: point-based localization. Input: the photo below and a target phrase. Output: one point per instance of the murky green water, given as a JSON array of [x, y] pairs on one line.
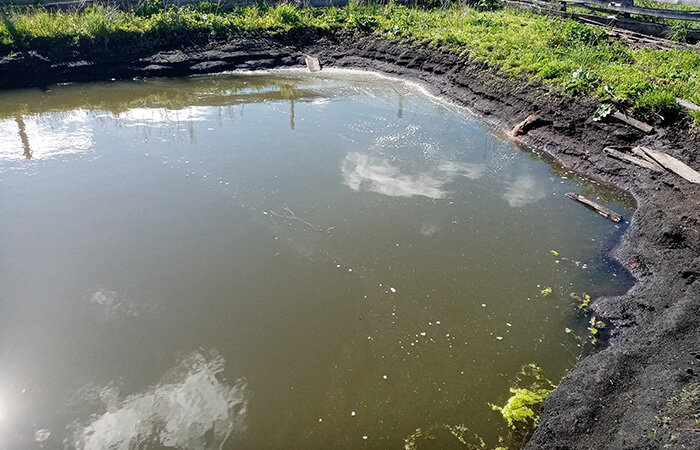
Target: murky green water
[[276, 261]]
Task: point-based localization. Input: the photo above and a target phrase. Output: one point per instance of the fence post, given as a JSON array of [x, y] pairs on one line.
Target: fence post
[[626, 3]]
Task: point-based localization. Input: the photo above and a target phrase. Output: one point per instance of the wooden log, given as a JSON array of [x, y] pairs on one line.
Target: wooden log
[[687, 104], [672, 164], [613, 153], [312, 64], [590, 204], [530, 122], [646, 128]]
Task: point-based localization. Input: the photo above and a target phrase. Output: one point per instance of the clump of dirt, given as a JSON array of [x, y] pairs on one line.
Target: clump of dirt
[[621, 397]]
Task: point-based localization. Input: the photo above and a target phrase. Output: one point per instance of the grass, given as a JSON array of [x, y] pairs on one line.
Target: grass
[[575, 58]]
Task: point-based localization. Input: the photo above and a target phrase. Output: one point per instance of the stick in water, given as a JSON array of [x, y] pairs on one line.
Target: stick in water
[[600, 209]]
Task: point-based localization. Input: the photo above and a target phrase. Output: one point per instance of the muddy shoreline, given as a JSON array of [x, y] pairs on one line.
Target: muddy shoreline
[[612, 399]]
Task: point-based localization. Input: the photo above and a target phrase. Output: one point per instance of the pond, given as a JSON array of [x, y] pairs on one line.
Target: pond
[[278, 260]]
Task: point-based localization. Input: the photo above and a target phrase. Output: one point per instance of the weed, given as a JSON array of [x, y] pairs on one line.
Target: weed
[[677, 33], [286, 14], [594, 328], [601, 113], [690, 394], [521, 411], [519, 408], [149, 7], [663, 420], [582, 82], [411, 442], [577, 58], [585, 302]]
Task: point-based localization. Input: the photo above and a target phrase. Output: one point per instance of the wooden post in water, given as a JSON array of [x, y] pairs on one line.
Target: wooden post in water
[[312, 64], [291, 114], [23, 136]]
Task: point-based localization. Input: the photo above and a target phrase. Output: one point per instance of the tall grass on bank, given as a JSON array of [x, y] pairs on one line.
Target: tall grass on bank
[[578, 59]]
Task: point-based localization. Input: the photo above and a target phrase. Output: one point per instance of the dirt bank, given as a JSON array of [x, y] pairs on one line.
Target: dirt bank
[[617, 398]]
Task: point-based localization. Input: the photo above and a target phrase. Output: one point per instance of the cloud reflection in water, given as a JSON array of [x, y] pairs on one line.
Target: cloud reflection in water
[[163, 116], [524, 190], [362, 172], [191, 408]]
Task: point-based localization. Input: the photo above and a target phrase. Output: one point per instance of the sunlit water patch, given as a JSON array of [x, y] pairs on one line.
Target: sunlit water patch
[[365, 260]]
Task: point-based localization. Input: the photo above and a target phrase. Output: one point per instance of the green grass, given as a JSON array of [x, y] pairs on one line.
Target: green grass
[[575, 58]]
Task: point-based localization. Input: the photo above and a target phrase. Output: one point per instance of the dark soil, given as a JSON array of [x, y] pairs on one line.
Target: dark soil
[[628, 395]]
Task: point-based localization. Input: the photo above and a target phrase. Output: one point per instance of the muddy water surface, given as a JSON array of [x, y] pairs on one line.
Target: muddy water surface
[[282, 260]]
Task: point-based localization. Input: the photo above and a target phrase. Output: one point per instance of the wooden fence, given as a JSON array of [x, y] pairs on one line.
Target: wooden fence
[[622, 14]]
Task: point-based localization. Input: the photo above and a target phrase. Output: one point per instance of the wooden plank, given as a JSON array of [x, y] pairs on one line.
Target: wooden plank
[[695, 3], [590, 204], [617, 23], [622, 11], [632, 122], [688, 104], [674, 165], [613, 153], [614, 8], [544, 3], [658, 30], [639, 152], [612, 13], [312, 64], [652, 12]]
